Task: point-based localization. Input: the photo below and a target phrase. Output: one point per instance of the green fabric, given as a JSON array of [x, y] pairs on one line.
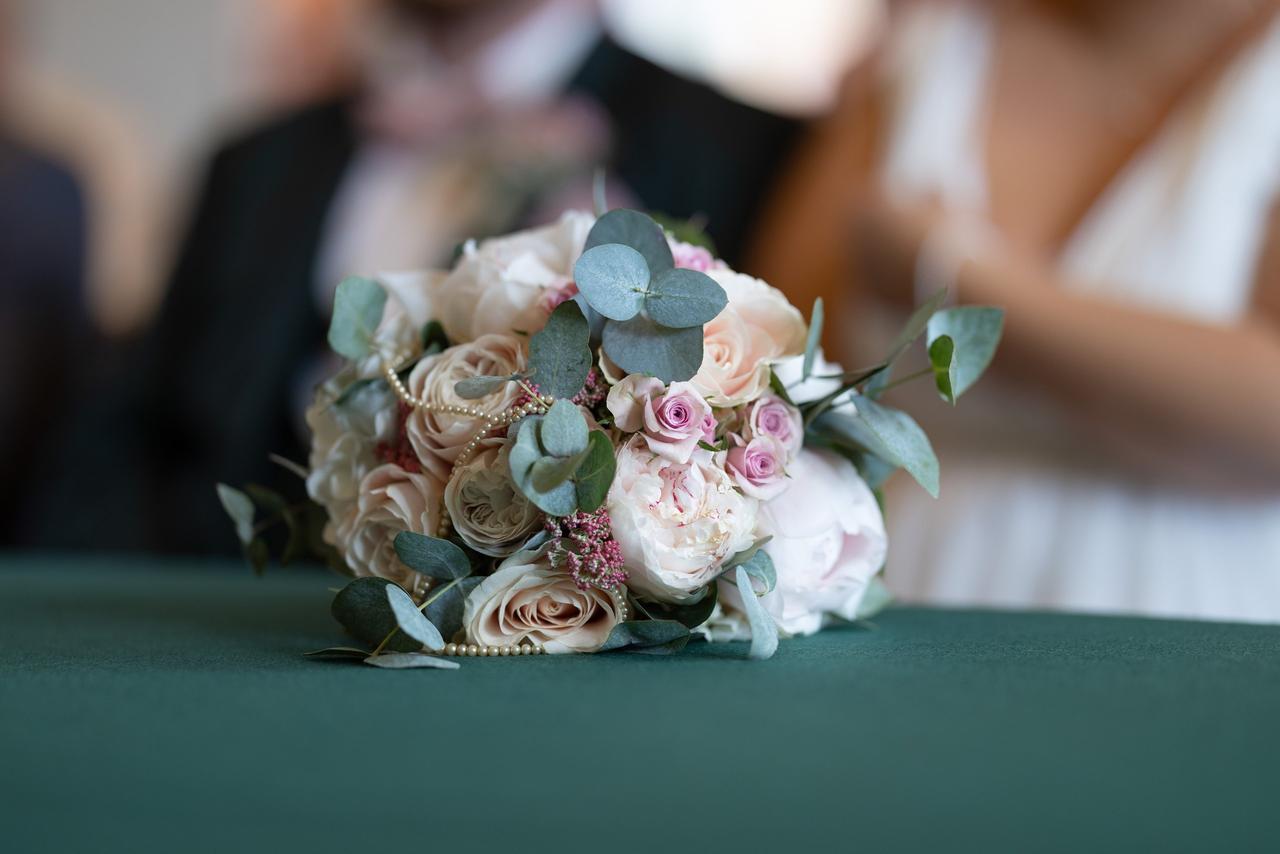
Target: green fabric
[[167, 706]]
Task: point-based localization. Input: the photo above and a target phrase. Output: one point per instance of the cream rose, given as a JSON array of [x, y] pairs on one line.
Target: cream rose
[[527, 601], [486, 509], [391, 500], [504, 284], [408, 309], [676, 522], [756, 328], [439, 438], [828, 542]]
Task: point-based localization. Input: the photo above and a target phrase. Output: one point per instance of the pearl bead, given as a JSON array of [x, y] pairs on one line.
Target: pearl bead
[[471, 649], [451, 649]]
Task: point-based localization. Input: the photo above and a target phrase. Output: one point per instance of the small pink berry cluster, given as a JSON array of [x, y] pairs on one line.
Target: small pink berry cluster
[[594, 391], [400, 451], [583, 545]]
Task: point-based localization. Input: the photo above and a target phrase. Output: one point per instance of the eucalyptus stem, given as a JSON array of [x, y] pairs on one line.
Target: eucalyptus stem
[[433, 597], [278, 517], [908, 378]]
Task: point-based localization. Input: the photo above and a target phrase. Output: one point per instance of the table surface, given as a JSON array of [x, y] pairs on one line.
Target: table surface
[[148, 705]]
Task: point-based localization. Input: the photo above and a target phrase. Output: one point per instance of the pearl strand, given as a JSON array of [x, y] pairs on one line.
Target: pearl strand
[[472, 649]]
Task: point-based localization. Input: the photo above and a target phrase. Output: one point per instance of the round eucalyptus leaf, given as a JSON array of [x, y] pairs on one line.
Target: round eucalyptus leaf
[[357, 311], [363, 610], [613, 278], [640, 346], [680, 298], [411, 621], [431, 555], [637, 230], [563, 430], [595, 473], [407, 660]]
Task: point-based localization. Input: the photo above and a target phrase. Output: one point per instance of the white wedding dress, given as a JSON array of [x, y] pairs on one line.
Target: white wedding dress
[[1028, 517]]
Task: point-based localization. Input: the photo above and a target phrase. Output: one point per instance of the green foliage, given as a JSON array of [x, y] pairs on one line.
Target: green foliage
[[357, 311], [814, 339], [410, 621], [595, 474], [474, 388], [445, 606], [692, 231], [759, 567], [679, 298], [339, 653], [884, 432], [364, 611], [764, 631], [655, 637], [563, 430], [640, 346], [240, 508], [406, 660], [975, 331], [690, 614], [560, 353], [549, 472], [561, 484], [942, 358], [432, 556], [614, 278], [634, 229]]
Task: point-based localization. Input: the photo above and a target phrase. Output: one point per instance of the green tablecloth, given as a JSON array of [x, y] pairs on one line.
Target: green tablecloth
[[167, 706]]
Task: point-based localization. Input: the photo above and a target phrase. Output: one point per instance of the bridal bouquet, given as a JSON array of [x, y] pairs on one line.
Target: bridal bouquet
[[590, 437]]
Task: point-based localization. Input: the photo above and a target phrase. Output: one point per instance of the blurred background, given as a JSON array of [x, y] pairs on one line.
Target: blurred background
[[182, 182]]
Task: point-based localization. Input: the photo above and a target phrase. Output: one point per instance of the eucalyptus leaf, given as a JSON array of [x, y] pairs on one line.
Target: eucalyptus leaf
[[942, 358], [549, 472], [814, 340], [976, 331], [357, 310], [889, 434], [680, 298], [339, 653], [560, 353], [445, 610], [655, 637], [407, 660], [411, 621], [764, 631], [363, 610], [614, 279], [640, 346], [915, 326], [759, 566], [563, 430], [636, 230], [474, 388], [595, 474], [689, 614], [746, 554], [240, 508], [258, 555], [431, 556]]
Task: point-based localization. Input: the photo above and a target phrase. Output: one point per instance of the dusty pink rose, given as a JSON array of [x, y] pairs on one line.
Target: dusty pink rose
[[757, 327], [673, 419], [758, 467], [773, 417]]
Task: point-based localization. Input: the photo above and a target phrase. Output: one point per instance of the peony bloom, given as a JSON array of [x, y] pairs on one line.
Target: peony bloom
[[757, 328], [758, 466], [344, 440], [437, 438], [773, 417], [674, 419], [527, 601], [506, 283], [676, 522], [391, 500], [828, 542], [486, 509]]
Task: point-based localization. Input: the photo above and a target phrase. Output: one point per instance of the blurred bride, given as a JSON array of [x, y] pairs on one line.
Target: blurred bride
[[1108, 172]]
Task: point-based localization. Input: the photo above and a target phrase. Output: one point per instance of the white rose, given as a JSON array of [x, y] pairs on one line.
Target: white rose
[[391, 500], [344, 438], [828, 542], [506, 283], [527, 601], [756, 328], [438, 438], [676, 522], [486, 509]]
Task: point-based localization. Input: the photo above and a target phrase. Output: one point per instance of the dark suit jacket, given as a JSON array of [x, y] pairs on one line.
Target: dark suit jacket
[[239, 319]]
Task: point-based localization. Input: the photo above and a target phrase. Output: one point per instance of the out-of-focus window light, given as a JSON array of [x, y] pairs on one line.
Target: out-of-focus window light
[[783, 56]]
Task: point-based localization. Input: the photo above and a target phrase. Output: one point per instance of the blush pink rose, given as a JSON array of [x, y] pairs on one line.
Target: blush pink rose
[[673, 419], [758, 467], [773, 417]]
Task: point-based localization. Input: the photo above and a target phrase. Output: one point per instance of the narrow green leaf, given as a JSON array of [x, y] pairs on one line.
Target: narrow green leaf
[[258, 555], [637, 230], [474, 388], [640, 346], [976, 331], [656, 637], [408, 660], [411, 621], [942, 357], [339, 653], [595, 474], [357, 311], [681, 298], [613, 278], [563, 430], [759, 566], [432, 556], [889, 434], [915, 325], [814, 340], [240, 508], [560, 353]]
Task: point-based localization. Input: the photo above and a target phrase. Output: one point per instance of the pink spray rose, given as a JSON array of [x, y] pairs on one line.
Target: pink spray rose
[[758, 466], [673, 419], [773, 417]]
